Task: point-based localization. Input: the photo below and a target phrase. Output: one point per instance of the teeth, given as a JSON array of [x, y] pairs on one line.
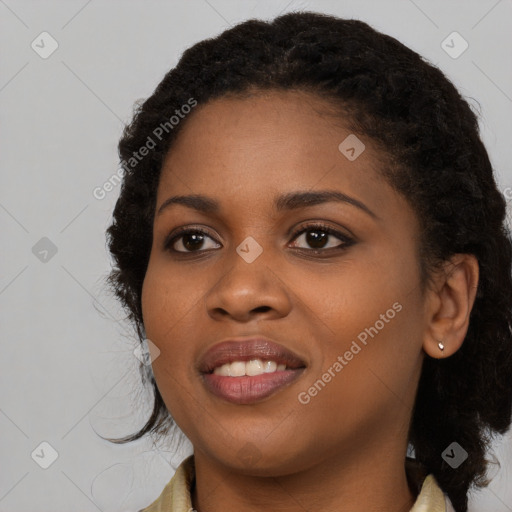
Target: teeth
[[237, 369], [270, 366], [254, 367], [250, 368]]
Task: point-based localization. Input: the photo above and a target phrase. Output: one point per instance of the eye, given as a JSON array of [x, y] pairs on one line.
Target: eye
[[320, 237], [188, 240]]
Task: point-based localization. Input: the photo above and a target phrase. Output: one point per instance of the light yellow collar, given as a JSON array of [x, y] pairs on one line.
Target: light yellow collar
[[431, 498], [175, 496]]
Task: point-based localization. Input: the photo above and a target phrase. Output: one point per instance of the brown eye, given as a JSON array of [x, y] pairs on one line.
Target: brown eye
[[190, 240], [320, 237]]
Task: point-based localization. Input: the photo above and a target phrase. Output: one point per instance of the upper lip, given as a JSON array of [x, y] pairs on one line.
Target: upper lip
[[245, 349]]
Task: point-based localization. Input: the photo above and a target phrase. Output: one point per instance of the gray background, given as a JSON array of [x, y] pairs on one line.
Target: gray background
[[67, 369]]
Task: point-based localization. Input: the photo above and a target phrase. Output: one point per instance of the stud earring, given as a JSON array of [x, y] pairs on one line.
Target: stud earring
[[441, 346]]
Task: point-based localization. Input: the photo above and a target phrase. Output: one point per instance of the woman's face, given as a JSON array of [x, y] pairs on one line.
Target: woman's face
[[346, 303]]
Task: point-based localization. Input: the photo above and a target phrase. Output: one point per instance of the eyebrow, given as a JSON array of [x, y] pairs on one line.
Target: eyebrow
[[289, 201]]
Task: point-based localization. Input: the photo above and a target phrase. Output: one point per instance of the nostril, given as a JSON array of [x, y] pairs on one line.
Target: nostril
[[262, 309]]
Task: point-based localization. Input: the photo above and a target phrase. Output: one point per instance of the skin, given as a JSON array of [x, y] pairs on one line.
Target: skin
[[347, 446]]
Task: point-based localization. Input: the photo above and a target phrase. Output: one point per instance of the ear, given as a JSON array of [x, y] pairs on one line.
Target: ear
[[449, 305]]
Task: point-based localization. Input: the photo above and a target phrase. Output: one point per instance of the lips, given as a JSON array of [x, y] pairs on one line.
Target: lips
[[246, 350], [249, 389]]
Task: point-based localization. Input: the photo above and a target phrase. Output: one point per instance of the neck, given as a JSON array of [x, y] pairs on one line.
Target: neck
[[363, 481]]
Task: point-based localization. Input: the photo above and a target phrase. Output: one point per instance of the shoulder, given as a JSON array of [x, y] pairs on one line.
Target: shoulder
[[175, 496]]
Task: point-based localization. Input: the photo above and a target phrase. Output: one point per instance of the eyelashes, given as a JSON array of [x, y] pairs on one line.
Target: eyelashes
[[188, 239], [198, 235]]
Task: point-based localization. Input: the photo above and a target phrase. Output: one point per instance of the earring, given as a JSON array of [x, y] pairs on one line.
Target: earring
[[441, 346]]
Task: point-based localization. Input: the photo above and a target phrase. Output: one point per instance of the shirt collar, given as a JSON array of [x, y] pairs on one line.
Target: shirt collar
[[176, 496]]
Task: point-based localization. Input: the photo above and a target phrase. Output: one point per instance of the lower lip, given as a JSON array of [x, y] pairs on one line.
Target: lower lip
[[247, 390]]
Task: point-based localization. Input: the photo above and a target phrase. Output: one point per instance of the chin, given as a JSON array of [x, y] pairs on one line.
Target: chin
[[266, 462]]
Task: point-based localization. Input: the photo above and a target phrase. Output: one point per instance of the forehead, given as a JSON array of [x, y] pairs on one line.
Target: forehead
[[275, 119], [245, 151]]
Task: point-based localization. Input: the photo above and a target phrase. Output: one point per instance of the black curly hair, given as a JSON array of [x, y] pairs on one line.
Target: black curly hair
[[438, 162]]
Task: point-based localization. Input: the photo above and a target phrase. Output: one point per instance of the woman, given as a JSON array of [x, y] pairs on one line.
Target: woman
[[310, 237]]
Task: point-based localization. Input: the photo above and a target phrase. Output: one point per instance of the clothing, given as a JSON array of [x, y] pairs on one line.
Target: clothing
[[175, 496]]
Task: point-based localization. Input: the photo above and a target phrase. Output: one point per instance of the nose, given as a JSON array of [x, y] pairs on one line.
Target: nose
[[248, 291]]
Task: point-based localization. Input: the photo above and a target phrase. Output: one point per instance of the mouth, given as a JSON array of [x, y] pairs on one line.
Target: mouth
[[244, 371]]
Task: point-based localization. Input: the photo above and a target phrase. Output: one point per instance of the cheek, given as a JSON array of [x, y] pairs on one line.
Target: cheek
[[155, 305], [374, 313], [166, 301], [367, 377], [172, 305], [167, 313], [352, 297]]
